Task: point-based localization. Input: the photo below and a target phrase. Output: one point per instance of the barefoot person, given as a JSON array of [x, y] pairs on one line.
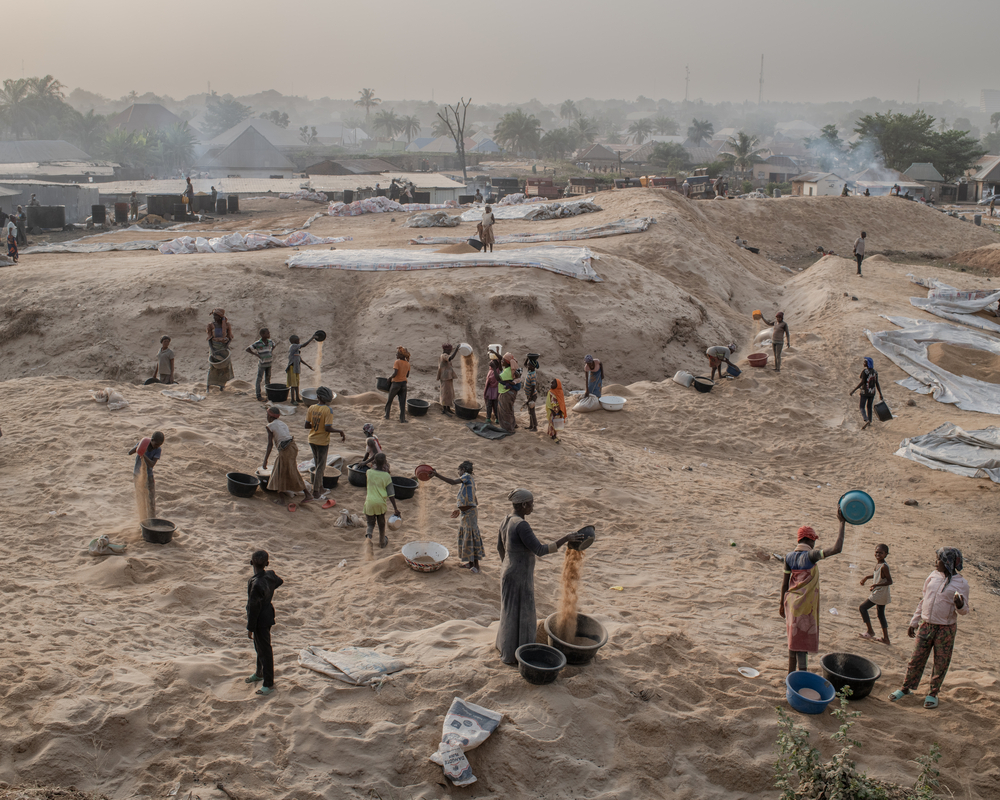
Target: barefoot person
[[294, 368], [880, 595], [485, 229], [719, 355], [260, 619], [859, 249], [868, 386], [446, 377], [380, 493], [518, 548], [263, 348], [491, 389], [593, 376], [372, 445], [531, 389], [285, 475], [397, 382], [318, 420], [555, 409], [945, 596], [799, 604], [779, 333], [164, 369], [220, 335], [148, 458], [470, 541], [508, 392]]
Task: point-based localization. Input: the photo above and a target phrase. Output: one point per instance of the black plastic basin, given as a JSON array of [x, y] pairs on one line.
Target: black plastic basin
[[241, 484], [417, 407], [383, 384], [357, 475], [845, 669], [404, 488], [157, 531], [276, 392], [538, 663], [462, 411]]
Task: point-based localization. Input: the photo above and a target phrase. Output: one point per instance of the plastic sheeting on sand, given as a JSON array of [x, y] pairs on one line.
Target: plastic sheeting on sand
[[974, 454], [242, 242], [616, 228], [90, 247], [381, 205], [535, 211], [571, 261], [907, 349], [950, 303], [433, 219], [304, 194]]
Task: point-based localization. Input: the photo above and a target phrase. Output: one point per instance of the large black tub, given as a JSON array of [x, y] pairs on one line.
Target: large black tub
[[417, 407], [462, 411], [538, 663], [242, 485], [845, 669], [357, 475], [404, 488]]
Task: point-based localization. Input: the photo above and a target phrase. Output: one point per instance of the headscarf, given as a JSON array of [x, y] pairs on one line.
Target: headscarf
[[403, 352], [951, 560], [219, 312], [368, 429], [520, 496], [732, 347], [779, 316], [557, 393], [273, 412], [869, 363], [446, 348], [588, 359], [510, 360], [324, 395], [807, 534]]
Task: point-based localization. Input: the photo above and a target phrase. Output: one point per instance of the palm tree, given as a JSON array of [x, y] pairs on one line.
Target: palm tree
[[585, 129], [440, 128], [665, 126], [177, 146], [131, 149], [367, 101], [47, 88], [568, 110], [640, 130], [409, 126], [700, 130], [558, 142], [518, 131], [89, 130], [745, 152], [388, 122], [16, 108]]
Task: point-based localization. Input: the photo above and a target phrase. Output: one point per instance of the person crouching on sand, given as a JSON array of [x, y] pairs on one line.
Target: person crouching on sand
[[470, 541], [880, 595], [260, 618], [285, 475], [719, 355], [799, 604]]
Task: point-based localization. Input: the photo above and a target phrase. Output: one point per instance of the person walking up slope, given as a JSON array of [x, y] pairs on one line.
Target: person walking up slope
[[868, 386]]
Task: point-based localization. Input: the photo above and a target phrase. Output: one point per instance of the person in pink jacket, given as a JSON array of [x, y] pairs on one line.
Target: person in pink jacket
[[945, 596]]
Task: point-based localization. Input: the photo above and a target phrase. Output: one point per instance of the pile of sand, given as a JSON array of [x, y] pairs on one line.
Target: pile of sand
[[460, 247], [968, 361], [986, 258]]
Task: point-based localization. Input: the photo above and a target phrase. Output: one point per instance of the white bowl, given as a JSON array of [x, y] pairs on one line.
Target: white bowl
[[414, 550], [612, 402], [465, 349]]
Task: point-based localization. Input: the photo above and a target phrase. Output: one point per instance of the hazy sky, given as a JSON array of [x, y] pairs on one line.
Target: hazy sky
[[514, 50]]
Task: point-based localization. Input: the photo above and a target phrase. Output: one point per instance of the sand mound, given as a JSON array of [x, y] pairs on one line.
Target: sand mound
[[987, 258], [967, 361]]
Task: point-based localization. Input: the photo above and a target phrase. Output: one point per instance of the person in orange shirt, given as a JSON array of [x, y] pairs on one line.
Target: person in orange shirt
[[400, 372]]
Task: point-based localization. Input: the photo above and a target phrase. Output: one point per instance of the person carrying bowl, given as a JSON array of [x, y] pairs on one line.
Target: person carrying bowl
[[935, 623], [220, 335], [446, 377], [470, 541], [799, 604], [779, 334]]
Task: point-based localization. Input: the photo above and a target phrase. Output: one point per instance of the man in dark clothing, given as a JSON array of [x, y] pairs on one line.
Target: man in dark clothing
[[260, 618]]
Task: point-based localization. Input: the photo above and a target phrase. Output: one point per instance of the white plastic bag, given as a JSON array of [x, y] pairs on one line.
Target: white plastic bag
[[466, 726], [684, 378], [587, 404]]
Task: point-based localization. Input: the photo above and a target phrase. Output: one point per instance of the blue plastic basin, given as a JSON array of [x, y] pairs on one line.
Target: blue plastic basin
[[857, 507], [808, 680]]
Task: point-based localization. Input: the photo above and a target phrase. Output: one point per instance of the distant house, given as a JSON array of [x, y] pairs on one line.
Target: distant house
[[817, 184], [937, 189], [599, 158], [987, 179], [776, 169], [143, 117], [249, 155], [281, 138], [640, 154], [797, 129], [51, 160], [351, 166]]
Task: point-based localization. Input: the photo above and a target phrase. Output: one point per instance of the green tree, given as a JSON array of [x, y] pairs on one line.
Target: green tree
[[89, 130], [176, 146], [45, 89], [568, 110], [744, 152], [16, 108], [991, 141], [440, 127], [898, 138], [388, 122], [308, 134], [640, 130], [223, 113], [830, 135], [700, 131], [953, 152], [585, 129], [279, 118], [132, 150], [409, 126], [995, 121], [368, 101], [673, 157], [518, 132], [665, 126], [557, 143]]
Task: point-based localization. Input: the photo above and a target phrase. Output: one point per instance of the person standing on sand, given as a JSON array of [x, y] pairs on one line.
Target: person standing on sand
[[220, 334], [285, 475], [294, 367], [133, 207], [487, 228], [993, 204], [470, 541], [397, 382], [531, 389], [507, 390], [164, 362], [779, 333], [318, 419], [593, 376], [380, 494], [446, 377], [880, 596], [260, 618], [10, 229], [799, 604], [937, 618], [868, 386], [151, 455], [518, 547], [263, 348], [491, 389], [555, 409], [719, 355], [859, 249]]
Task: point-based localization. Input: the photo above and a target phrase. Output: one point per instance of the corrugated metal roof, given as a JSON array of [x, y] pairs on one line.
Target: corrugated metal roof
[[251, 186], [984, 173], [33, 169], [143, 116], [279, 137], [40, 150], [923, 171], [250, 150]]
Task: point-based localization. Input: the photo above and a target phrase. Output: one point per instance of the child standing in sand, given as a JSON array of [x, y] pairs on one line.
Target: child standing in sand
[[294, 367], [164, 370], [880, 596], [799, 605], [260, 618]]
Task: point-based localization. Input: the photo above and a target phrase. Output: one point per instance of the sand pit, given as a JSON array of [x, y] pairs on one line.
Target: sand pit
[[124, 675], [967, 361]]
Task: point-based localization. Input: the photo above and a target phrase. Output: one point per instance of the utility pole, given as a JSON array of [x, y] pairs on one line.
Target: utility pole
[[687, 81], [760, 97], [918, 91]]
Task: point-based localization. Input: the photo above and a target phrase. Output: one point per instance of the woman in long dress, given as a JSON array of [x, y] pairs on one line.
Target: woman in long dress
[[508, 393], [470, 541], [518, 547], [446, 377], [285, 476]]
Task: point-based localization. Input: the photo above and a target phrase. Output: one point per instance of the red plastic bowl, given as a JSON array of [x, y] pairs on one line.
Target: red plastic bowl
[[423, 472], [757, 359], [143, 446]]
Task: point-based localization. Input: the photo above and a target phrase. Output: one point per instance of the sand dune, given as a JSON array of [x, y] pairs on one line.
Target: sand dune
[[124, 674]]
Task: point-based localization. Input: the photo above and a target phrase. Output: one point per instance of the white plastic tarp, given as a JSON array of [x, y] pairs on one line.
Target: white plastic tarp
[[616, 228], [90, 247], [974, 454], [571, 261], [242, 242], [953, 304], [433, 219], [535, 211], [907, 349], [381, 205]]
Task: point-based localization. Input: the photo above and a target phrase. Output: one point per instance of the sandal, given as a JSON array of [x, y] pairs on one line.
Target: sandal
[[930, 702], [253, 678], [866, 636], [898, 694], [265, 690]]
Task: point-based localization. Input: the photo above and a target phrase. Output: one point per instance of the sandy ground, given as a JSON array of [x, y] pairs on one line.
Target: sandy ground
[[124, 674]]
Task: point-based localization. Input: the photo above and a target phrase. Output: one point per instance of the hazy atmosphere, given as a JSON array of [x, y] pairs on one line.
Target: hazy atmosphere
[[520, 49]]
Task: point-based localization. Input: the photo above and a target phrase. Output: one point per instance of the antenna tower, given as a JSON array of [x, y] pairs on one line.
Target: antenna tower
[[760, 97], [687, 81]]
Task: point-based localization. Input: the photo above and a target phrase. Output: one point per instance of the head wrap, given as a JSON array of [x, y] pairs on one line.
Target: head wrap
[[507, 358], [368, 429], [520, 496], [869, 363], [807, 534], [446, 348], [403, 352], [557, 394], [951, 560], [324, 395], [588, 359], [732, 347], [780, 315], [274, 411], [218, 312]]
